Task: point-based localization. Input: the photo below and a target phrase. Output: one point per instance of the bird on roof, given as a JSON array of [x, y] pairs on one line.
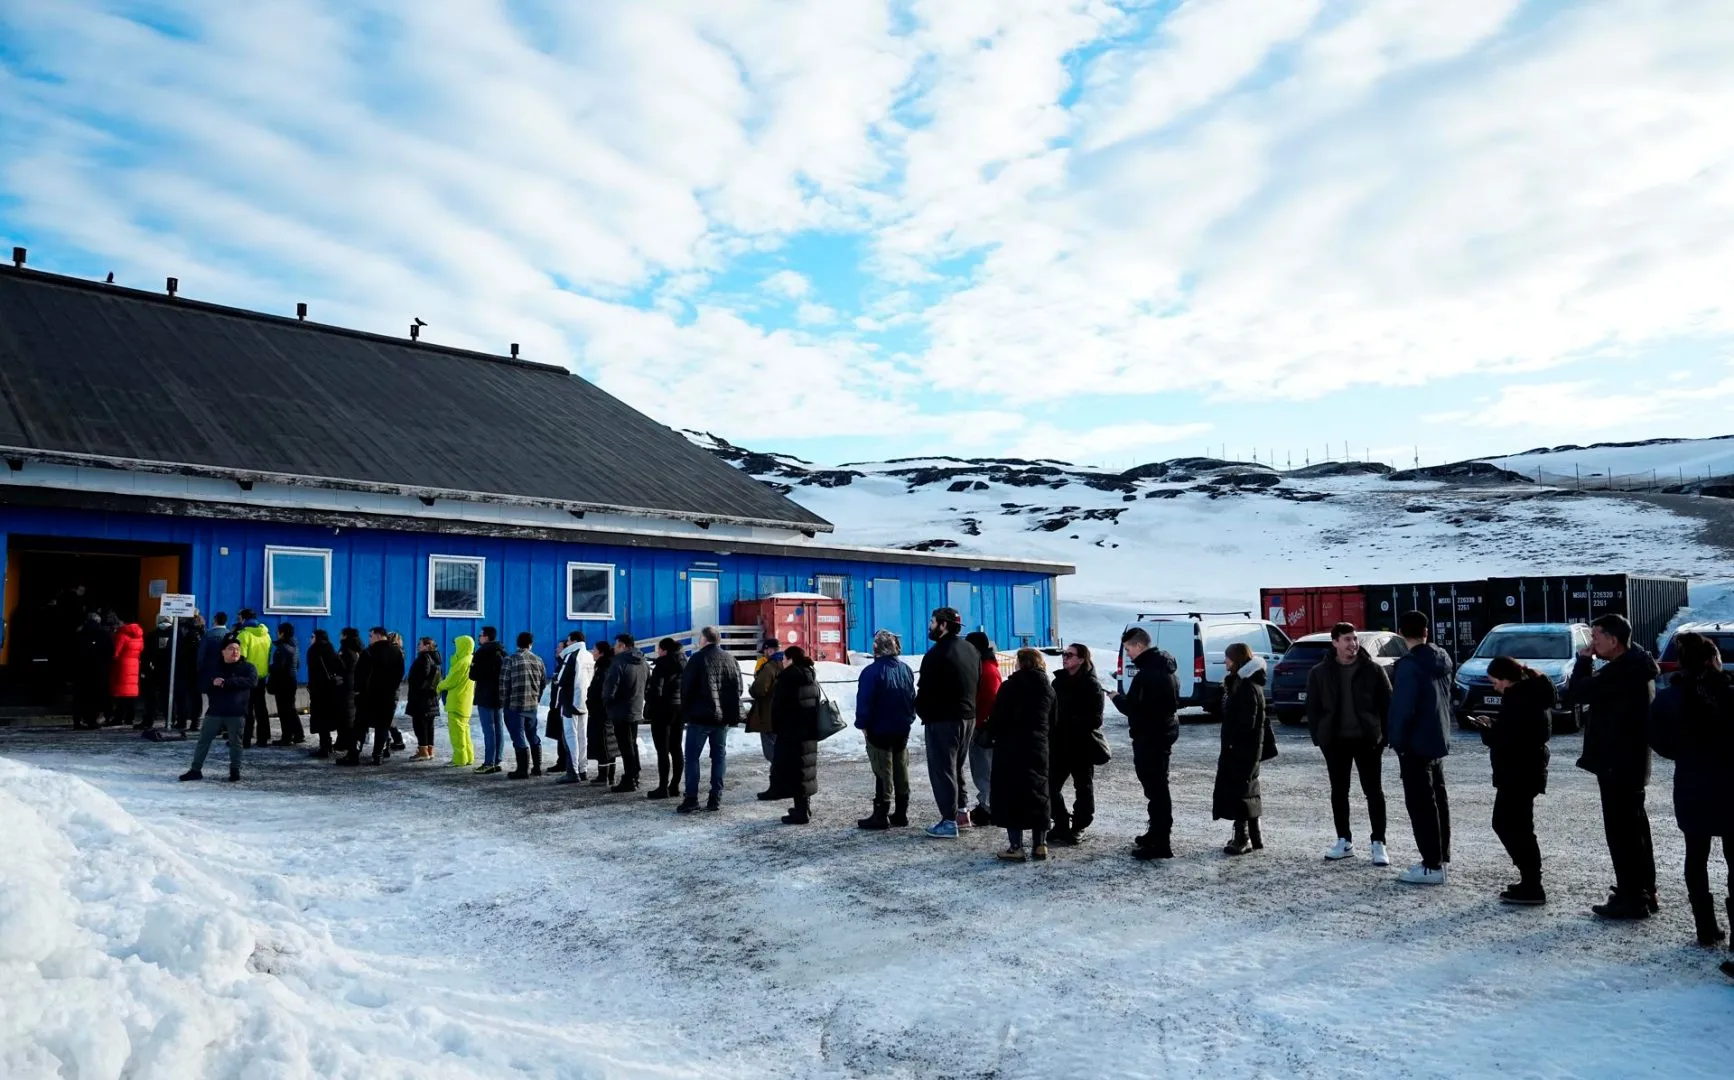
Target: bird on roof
[[419, 321]]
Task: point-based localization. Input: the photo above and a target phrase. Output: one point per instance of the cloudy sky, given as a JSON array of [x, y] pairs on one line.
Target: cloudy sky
[[1108, 232]]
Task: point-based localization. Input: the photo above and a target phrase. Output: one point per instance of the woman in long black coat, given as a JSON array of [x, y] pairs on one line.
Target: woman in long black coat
[[324, 691], [1023, 716], [423, 703], [1238, 796], [1692, 722], [795, 720], [350, 734], [1517, 749], [599, 733], [1077, 716]]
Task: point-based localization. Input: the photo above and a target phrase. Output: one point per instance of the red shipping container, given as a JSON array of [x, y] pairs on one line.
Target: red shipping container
[[818, 624], [1314, 610]]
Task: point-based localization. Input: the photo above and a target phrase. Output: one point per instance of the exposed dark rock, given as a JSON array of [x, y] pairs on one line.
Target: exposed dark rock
[[1164, 493], [930, 545], [971, 527], [1463, 472], [832, 478], [1420, 508], [1339, 468], [961, 485], [1246, 479]]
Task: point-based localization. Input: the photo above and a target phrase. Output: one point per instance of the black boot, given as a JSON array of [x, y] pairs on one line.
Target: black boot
[[522, 772], [536, 760], [377, 758], [351, 759], [604, 774], [877, 820], [234, 774], [192, 774], [1704, 916], [1623, 906], [1240, 844], [1254, 835], [324, 750], [563, 760], [899, 818], [799, 815], [627, 783], [1151, 846]]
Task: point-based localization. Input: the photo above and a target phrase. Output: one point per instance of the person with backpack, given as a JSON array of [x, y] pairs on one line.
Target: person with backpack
[[1151, 706], [1072, 747], [885, 713], [1246, 735], [1419, 730], [1692, 723], [1517, 748], [1348, 699], [1616, 748]]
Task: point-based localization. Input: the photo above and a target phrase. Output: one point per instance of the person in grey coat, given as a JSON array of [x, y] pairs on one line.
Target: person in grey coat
[[1419, 730], [624, 695]]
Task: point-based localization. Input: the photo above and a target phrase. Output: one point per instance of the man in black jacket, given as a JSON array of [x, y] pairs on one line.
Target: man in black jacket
[[710, 697], [485, 673], [1616, 748], [282, 681], [378, 698], [1348, 699], [945, 701], [1151, 706], [624, 695], [667, 723]]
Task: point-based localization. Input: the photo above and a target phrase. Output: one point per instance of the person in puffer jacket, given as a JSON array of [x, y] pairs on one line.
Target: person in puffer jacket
[[1419, 730], [460, 695], [123, 674], [885, 711], [255, 642]]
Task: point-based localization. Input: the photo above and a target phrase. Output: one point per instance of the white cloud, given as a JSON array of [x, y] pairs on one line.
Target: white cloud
[[787, 284], [1094, 446], [1581, 406]]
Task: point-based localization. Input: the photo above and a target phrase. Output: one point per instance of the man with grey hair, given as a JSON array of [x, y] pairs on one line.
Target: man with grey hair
[[885, 711], [710, 699]]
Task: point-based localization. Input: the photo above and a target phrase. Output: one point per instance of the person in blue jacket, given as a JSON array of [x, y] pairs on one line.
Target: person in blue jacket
[[885, 710], [230, 684], [1419, 730]]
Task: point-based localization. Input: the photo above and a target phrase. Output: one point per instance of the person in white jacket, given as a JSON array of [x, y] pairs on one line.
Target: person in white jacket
[[571, 685]]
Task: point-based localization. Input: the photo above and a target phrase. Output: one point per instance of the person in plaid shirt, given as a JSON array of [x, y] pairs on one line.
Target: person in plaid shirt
[[521, 681]]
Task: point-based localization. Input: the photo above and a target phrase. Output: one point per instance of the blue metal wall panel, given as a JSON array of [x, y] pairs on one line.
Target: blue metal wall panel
[[381, 578]]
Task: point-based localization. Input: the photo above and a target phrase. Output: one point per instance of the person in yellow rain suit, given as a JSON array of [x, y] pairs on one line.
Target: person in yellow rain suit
[[460, 695]]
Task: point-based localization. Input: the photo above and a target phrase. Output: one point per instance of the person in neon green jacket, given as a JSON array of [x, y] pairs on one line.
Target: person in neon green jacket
[[460, 695], [255, 642]]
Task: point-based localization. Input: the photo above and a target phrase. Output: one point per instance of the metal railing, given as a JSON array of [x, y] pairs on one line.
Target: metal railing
[[740, 642]]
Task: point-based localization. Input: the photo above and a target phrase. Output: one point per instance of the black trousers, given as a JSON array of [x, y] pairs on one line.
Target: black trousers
[[424, 729], [1627, 825], [666, 738], [1514, 824], [1150, 759], [1698, 866], [124, 710], [1429, 809], [88, 701], [1367, 760], [1083, 776], [626, 734], [256, 726], [288, 718]]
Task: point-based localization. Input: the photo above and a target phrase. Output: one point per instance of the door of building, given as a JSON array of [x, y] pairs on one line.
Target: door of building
[[706, 602]]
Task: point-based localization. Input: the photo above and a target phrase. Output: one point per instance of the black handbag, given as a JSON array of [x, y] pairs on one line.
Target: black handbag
[[1099, 754], [983, 738]]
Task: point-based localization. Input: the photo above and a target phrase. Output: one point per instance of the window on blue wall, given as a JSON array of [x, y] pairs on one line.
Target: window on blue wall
[[454, 586], [298, 581], [1024, 611], [589, 591]]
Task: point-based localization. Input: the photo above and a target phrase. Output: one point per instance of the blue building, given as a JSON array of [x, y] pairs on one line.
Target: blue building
[[332, 478]]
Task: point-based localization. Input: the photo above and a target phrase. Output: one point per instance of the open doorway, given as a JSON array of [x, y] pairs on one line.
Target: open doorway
[[52, 583]]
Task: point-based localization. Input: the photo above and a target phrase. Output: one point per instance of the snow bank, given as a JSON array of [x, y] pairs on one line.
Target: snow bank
[[121, 958], [1670, 462]]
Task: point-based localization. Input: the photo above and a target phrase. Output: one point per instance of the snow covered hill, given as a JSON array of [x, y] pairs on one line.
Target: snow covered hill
[[1679, 465], [1196, 533]]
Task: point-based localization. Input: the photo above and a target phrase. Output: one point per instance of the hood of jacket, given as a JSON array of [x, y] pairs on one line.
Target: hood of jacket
[[1253, 671], [1635, 663], [629, 657], [131, 632], [462, 647], [1434, 662], [1157, 660]]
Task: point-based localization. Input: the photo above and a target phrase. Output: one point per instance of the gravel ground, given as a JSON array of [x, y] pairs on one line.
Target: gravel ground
[[825, 951]]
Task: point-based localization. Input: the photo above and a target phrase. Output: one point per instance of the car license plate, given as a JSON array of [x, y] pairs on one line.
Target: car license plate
[[1490, 699], [1302, 696]]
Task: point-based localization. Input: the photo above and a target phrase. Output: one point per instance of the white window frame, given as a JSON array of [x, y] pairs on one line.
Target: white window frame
[[577, 616], [842, 580], [274, 608], [481, 564]]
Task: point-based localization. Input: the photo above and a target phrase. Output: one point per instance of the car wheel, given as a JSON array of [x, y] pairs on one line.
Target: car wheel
[[1290, 717], [1569, 722]]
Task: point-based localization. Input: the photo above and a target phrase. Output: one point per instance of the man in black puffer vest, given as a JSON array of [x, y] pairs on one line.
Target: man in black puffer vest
[[1616, 748]]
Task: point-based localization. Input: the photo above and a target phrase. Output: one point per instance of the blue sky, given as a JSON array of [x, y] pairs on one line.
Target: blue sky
[[1105, 232]]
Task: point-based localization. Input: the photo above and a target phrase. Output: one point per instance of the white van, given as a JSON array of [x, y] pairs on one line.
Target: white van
[[1197, 641]]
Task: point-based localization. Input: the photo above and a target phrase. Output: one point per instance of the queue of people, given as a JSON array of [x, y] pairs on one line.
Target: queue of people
[[1021, 741]]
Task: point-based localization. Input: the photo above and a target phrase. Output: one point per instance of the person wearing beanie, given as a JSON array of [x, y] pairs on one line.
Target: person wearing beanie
[[885, 711], [945, 701]]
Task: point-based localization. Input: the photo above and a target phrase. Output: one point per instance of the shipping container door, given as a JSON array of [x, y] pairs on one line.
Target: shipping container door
[[888, 606]]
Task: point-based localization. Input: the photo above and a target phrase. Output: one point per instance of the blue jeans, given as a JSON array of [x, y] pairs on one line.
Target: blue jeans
[[521, 723], [493, 734], [696, 737]]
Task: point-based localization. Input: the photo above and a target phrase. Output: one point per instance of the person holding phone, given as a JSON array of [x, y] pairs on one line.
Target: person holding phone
[[1517, 745]]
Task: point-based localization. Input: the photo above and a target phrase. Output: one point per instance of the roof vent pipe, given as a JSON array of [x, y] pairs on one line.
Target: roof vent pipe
[[514, 350], [18, 254], [414, 332], [174, 285], [301, 312]]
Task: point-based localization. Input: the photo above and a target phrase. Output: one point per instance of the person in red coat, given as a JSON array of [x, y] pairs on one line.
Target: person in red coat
[[123, 673], [981, 757]]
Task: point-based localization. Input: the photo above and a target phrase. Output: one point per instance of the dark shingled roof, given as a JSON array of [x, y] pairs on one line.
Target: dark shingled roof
[[144, 380]]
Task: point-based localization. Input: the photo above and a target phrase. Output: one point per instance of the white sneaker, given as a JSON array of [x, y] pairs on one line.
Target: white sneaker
[[1342, 850], [1379, 856], [1420, 875]]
